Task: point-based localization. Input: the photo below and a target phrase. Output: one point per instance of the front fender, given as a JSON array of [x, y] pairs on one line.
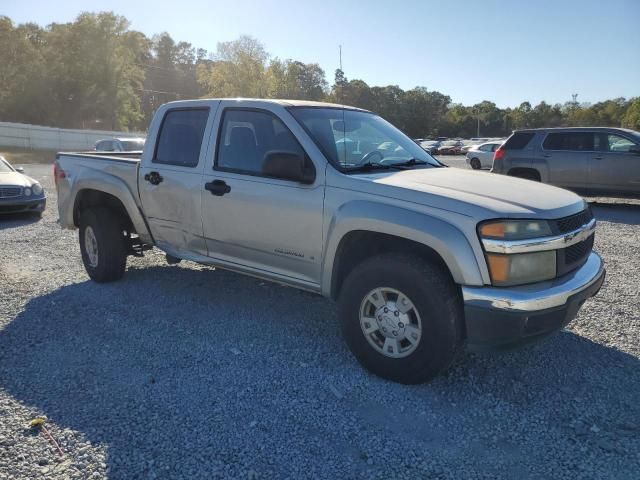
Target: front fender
[[114, 186], [444, 238]]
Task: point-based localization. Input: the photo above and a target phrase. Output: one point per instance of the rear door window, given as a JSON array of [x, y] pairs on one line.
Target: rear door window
[[180, 137], [569, 141], [105, 146]]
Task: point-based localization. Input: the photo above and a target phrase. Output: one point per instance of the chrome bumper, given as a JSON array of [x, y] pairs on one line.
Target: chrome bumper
[[537, 296]]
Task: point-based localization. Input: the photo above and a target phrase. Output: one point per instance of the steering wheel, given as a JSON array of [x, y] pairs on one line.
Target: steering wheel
[[367, 157]]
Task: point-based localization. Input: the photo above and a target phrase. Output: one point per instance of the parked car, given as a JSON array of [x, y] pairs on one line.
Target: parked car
[[421, 259], [481, 156], [595, 159], [18, 192], [120, 145], [450, 147], [430, 146]]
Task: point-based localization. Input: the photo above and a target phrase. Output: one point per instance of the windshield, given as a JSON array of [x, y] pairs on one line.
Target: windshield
[[4, 166], [351, 139], [132, 145]]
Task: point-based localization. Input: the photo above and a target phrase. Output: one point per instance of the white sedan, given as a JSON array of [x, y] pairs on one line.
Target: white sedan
[[481, 156]]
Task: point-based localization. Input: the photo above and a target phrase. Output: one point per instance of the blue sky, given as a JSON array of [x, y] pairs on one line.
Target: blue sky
[[499, 50]]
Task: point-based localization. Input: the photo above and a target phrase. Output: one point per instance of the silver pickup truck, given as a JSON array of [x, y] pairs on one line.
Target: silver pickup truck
[[421, 258]]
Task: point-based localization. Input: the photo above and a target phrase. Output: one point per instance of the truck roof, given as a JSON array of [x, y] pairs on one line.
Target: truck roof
[[283, 102]]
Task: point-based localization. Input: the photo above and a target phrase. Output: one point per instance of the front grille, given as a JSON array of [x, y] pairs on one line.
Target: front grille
[[570, 258], [573, 257], [573, 222], [10, 192]]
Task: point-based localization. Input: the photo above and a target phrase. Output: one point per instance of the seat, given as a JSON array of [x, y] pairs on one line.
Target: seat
[[242, 151]]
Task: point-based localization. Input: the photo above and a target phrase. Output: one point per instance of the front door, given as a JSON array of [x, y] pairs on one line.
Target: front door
[[170, 182], [265, 225], [616, 165]]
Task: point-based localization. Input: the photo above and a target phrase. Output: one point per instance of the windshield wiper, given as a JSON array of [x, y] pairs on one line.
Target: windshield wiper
[[368, 166], [409, 163]]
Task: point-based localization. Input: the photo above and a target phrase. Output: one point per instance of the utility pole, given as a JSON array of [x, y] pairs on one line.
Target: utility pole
[[478, 132], [574, 99], [340, 48]]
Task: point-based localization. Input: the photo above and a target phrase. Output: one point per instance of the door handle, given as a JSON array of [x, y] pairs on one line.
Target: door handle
[[217, 187], [599, 157], [547, 155], [154, 178]]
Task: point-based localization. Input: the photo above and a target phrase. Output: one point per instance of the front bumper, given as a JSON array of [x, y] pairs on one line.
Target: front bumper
[[23, 205], [502, 317]]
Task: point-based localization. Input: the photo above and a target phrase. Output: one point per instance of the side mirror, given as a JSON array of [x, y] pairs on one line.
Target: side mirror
[[19, 169], [288, 166]]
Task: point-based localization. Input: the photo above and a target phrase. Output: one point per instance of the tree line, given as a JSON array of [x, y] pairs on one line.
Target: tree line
[[96, 72]]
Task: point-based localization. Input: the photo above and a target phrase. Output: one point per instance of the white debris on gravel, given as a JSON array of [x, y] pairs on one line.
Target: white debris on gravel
[[140, 378]]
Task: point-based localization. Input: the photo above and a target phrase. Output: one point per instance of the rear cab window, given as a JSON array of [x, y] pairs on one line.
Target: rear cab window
[[518, 141], [180, 137]]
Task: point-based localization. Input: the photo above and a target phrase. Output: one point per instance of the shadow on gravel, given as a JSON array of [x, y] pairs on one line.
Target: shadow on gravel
[[17, 220], [189, 372], [628, 213]]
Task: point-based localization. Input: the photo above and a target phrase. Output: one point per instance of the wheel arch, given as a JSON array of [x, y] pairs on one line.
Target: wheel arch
[[529, 173], [112, 193], [362, 229]]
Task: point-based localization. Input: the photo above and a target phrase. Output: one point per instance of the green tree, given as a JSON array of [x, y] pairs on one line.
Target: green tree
[[631, 118], [238, 70]]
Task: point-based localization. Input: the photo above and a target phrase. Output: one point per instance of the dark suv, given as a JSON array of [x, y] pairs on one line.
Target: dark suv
[[595, 159]]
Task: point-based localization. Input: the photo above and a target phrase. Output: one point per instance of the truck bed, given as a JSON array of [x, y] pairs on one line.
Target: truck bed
[[109, 172]]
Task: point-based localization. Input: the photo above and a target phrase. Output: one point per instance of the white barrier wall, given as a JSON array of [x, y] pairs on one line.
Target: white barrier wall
[[49, 138]]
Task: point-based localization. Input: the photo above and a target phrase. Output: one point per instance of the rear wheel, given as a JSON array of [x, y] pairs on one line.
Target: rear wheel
[[475, 164], [103, 245], [401, 317]]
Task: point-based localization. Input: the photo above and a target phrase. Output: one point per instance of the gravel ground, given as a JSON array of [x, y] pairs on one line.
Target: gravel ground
[[189, 372]]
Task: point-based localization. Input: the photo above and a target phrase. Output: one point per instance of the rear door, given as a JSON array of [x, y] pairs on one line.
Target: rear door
[[568, 155], [170, 179], [615, 166]]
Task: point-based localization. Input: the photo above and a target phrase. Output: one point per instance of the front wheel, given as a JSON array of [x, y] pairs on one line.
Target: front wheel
[[475, 164], [401, 317], [103, 245]]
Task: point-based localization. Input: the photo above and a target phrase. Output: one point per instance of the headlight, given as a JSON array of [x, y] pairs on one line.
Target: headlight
[[27, 192], [518, 268], [36, 188], [514, 229], [521, 268]]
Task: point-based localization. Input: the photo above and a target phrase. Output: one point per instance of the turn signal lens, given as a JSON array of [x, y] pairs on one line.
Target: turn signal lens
[[492, 230], [498, 267], [514, 229]]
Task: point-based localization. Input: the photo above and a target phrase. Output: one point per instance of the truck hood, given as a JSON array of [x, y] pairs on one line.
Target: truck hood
[[16, 178], [463, 191]]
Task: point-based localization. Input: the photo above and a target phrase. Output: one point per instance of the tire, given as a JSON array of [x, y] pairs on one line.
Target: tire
[[437, 304], [106, 260], [475, 164]]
